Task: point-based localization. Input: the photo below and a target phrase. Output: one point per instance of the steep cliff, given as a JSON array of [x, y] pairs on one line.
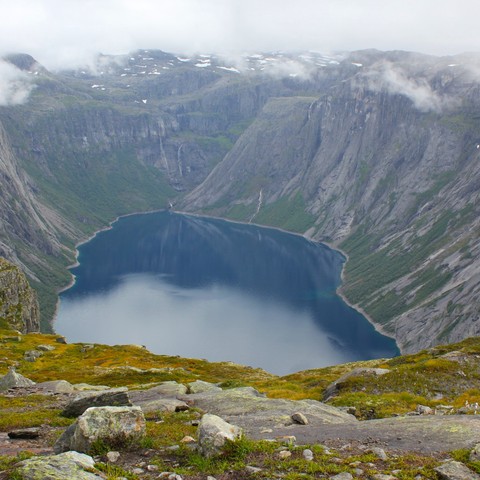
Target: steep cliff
[[18, 302], [389, 171], [376, 153]]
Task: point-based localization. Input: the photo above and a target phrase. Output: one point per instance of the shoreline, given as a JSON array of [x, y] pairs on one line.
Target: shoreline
[[338, 290]]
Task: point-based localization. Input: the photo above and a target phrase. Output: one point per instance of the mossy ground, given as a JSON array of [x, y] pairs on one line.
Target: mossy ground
[[428, 378]]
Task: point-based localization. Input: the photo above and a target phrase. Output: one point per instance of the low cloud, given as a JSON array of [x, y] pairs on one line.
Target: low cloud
[[15, 85], [392, 78]]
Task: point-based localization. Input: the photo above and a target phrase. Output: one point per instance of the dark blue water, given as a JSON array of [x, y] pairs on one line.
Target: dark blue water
[[206, 288]]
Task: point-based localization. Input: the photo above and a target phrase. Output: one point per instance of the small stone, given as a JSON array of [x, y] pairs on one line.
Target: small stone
[[307, 455], [61, 340], [152, 468], [113, 457], [24, 433], [381, 476], [299, 418], [173, 448], [174, 476], [251, 469], [187, 439], [342, 476], [45, 348], [379, 452], [424, 410], [138, 471], [475, 453], [359, 472], [284, 454]]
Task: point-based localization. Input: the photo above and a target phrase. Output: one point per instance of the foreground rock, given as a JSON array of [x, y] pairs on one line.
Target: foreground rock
[[114, 397], [213, 433], [453, 470], [14, 380], [70, 465], [426, 434], [114, 426], [158, 399], [255, 413]]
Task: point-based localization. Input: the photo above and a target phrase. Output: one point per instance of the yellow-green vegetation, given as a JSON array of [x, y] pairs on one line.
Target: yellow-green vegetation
[[442, 375], [445, 374]]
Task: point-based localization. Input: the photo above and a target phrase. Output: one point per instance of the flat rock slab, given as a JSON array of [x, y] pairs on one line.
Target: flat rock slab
[[153, 400], [115, 397], [252, 411], [426, 434]]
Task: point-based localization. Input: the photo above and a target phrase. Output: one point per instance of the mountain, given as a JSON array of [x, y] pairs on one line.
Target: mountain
[[375, 153]]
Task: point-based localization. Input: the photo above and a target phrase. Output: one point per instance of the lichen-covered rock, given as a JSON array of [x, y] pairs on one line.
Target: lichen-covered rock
[[453, 470], [213, 432], [200, 386], [14, 380], [18, 301], [55, 386], [67, 465], [113, 397], [115, 426]]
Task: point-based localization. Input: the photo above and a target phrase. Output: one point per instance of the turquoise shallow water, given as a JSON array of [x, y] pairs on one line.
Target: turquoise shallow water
[[207, 288]]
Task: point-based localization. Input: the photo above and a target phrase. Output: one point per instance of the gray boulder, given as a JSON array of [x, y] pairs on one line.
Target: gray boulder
[[115, 426], [154, 400], [213, 432], [114, 397], [55, 386], [475, 453], [453, 470], [59, 467], [332, 389], [200, 386], [170, 389], [14, 380]]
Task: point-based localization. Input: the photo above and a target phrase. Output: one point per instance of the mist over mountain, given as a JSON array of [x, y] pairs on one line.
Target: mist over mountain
[[377, 153]]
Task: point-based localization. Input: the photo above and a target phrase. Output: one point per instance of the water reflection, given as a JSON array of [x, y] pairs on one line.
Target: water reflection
[[205, 288]]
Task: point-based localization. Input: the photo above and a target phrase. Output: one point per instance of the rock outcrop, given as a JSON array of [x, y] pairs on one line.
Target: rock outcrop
[[18, 301]]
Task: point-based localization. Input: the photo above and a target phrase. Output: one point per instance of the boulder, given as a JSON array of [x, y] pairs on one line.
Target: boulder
[[300, 418], [453, 470], [55, 386], [14, 380], [332, 389], [115, 426], [59, 467], [170, 389], [24, 433], [200, 386], [112, 398], [153, 400], [213, 432]]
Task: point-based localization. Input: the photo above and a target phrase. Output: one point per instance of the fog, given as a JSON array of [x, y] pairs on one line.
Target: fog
[[63, 33], [15, 85]]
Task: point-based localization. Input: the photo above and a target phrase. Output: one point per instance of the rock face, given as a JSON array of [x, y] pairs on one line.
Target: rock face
[[213, 432], [115, 426], [345, 154], [18, 302], [255, 413], [59, 467]]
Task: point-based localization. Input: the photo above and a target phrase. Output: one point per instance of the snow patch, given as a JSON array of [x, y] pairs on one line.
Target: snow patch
[[230, 69]]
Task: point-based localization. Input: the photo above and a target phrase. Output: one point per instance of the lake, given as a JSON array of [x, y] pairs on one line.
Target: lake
[[207, 288]]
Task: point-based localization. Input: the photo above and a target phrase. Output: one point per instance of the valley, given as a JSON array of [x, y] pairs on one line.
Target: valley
[[375, 153]]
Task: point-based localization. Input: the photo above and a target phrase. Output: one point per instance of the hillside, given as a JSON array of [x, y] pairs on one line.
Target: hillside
[[375, 153], [399, 436]]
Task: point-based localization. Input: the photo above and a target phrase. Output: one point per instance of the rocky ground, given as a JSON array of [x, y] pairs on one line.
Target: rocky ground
[[264, 438]]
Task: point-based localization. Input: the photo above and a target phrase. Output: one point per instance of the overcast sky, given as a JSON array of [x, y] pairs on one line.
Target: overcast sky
[[68, 32]]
